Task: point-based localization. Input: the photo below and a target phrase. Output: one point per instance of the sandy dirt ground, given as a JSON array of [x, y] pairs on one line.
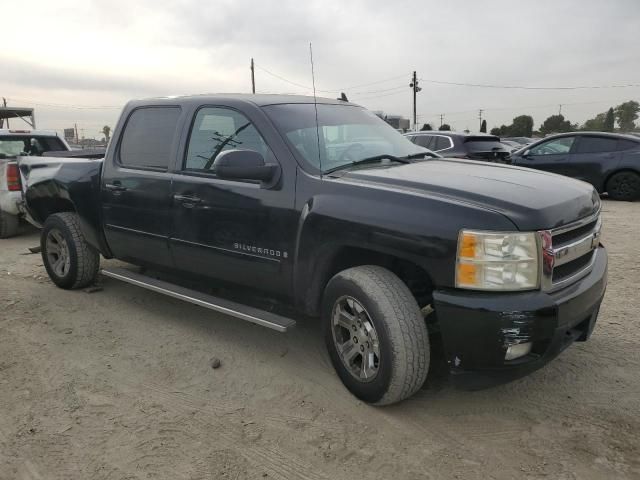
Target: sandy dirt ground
[[117, 384]]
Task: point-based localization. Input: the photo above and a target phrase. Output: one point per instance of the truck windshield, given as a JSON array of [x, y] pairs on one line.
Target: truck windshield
[[348, 134]]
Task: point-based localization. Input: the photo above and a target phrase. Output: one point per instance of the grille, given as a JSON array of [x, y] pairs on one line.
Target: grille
[[574, 249]]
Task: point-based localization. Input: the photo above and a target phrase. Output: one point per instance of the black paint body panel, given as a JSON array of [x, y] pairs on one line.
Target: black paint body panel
[[282, 237]]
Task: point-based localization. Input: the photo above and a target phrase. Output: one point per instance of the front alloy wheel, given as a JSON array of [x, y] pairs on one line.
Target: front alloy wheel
[[375, 334]]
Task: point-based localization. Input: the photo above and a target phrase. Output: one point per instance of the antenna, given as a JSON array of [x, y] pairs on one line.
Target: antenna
[[315, 106]]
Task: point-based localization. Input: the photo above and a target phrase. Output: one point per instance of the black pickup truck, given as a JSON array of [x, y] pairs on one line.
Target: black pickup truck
[[327, 209]]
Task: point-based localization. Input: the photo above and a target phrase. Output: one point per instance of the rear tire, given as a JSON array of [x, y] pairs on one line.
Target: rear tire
[[8, 224], [376, 335], [624, 186], [69, 260]]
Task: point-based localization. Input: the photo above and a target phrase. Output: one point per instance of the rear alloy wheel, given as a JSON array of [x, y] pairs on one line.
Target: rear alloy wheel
[[69, 260], [375, 334], [624, 186]]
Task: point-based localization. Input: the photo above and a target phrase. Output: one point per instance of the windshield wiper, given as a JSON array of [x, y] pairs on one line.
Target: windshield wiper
[[373, 159], [414, 156]]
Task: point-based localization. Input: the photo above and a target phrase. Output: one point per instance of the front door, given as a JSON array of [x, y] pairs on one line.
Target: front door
[[239, 231], [136, 187]]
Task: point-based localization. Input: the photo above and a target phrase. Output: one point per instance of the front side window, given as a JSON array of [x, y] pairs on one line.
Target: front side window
[[558, 146], [216, 130], [148, 137]]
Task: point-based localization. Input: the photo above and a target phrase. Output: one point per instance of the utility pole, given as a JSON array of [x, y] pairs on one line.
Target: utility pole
[[4, 104], [416, 89], [560, 109], [75, 125], [441, 118], [480, 117], [253, 78]]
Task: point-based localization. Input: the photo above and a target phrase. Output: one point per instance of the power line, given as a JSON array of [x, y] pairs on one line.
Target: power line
[[284, 79], [520, 87], [336, 90]]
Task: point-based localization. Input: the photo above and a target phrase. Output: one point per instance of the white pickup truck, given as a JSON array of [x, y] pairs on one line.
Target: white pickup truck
[[14, 143]]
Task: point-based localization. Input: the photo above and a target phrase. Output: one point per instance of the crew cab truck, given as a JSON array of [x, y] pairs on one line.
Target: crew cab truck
[[322, 205]]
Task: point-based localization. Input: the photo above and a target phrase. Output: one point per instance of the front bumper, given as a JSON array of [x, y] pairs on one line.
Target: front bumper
[[478, 327]]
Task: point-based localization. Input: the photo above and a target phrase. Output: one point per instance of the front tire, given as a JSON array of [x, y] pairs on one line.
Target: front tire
[[8, 224], [69, 260], [624, 186], [376, 335]]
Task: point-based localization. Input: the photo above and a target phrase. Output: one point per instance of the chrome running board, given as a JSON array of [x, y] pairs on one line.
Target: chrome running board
[[250, 314]]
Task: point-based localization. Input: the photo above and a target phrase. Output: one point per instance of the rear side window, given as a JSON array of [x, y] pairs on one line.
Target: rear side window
[[597, 145], [148, 137], [624, 144]]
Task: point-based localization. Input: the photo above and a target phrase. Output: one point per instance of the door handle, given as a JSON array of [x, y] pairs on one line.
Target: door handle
[[187, 200], [115, 187]]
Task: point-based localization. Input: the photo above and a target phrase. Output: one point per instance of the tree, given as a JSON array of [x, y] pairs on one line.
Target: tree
[[522, 126], [595, 124], [106, 130], [445, 127], [609, 121], [426, 127], [626, 114], [556, 124], [495, 131], [483, 126]]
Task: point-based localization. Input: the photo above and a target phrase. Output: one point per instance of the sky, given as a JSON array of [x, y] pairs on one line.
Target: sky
[[80, 61]]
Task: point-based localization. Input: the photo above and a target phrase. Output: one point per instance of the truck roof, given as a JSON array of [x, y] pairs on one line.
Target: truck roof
[[25, 132], [260, 100]]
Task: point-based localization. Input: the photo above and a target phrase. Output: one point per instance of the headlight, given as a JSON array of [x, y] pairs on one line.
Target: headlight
[[497, 261]]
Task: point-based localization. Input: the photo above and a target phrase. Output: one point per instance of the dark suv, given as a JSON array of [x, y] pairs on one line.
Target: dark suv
[[608, 161], [473, 146]]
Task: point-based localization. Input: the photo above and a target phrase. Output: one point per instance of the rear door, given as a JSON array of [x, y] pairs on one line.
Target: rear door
[[136, 186], [234, 230], [551, 155], [592, 157]]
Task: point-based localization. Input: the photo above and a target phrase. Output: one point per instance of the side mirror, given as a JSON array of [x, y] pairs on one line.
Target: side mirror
[[243, 165]]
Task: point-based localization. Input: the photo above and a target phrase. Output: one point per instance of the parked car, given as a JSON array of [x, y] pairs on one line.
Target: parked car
[[608, 161], [520, 140], [328, 209], [13, 143], [511, 145], [473, 146]]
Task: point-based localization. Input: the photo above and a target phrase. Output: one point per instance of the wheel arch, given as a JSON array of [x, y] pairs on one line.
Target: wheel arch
[[332, 261], [615, 172]]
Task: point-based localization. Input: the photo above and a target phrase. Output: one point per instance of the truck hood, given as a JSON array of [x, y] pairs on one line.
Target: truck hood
[[531, 199]]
